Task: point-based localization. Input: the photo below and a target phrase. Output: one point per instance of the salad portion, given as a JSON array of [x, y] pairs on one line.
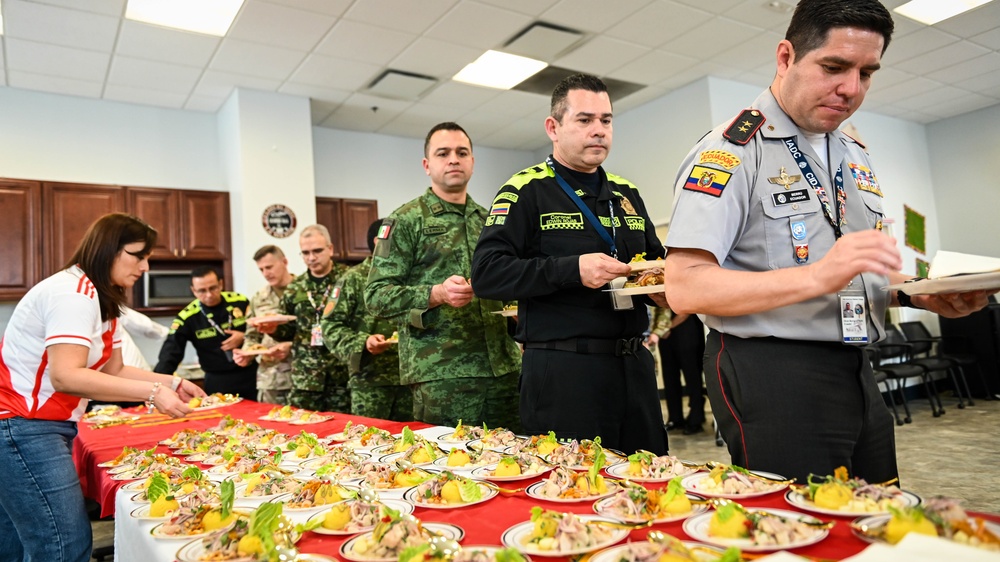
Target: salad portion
[[755, 530], [393, 534], [839, 494], [726, 480], [552, 533], [196, 520], [449, 490], [256, 537], [940, 517], [564, 484], [635, 503], [644, 466]]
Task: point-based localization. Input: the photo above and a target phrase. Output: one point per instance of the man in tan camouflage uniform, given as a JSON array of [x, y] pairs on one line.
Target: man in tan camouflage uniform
[[454, 352], [274, 377], [364, 342], [319, 379]]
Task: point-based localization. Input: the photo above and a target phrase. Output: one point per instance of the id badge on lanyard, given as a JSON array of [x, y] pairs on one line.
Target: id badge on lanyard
[[853, 316], [316, 335]]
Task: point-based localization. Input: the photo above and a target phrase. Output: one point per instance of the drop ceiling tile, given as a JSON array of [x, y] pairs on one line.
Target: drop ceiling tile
[[755, 78], [60, 26], [436, 58], [967, 69], [413, 17], [254, 59], [601, 55], [334, 73], [329, 7], [964, 104], [53, 84], [107, 7], [315, 93], [982, 83], [751, 53], [888, 76], [480, 124], [459, 95], [364, 42], [915, 44], [715, 6], [478, 25], [927, 101], [144, 96], [949, 55], [725, 34], [417, 119], [152, 42], [57, 61], [530, 7], [653, 67], [638, 99], [591, 15], [320, 110], [153, 76], [903, 90], [757, 14], [356, 113], [516, 104], [218, 84], [973, 22], [288, 28], [989, 39], [659, 23], [211, 104]]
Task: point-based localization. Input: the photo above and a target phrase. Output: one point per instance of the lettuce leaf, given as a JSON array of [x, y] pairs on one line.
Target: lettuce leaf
[[227, 491], [157, 487], [192, 473], [408, 437], [414, 553], [470, 491]]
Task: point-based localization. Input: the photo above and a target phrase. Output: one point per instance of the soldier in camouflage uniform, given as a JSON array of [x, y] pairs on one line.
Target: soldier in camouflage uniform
[[361, 340], [319, 379], [274, 371], [453, 351]]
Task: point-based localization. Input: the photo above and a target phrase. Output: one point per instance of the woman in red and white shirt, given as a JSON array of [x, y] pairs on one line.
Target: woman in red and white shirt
[[61, 348]]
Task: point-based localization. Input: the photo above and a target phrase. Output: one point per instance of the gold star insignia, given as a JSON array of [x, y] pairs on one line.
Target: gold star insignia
[[744, 129], [748, 124]]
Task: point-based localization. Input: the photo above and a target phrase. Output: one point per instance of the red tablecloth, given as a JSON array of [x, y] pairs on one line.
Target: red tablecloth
[[483, 523]]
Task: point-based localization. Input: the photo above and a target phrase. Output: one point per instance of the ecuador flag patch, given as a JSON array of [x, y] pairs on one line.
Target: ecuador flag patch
[[707, 180]]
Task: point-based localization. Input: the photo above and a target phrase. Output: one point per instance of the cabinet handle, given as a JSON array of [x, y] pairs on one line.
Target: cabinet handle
[[184, 253], [175, 253]]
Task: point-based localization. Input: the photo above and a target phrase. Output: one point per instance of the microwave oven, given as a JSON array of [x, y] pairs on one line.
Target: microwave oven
[[165, 288]]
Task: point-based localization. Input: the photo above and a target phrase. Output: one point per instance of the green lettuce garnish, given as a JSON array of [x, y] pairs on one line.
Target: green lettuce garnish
[[732, 554], [674, 489], [192, 473], [278, 456], [157, 487], [408, 437], [726, 511], [536, 512], [469, 490], [412, 553], [641, 457], [509, 555], [550, 438], [227, 491], [325, 469], [599, 459], [309, 439], [264, 522], [348, 426], [227, 455]]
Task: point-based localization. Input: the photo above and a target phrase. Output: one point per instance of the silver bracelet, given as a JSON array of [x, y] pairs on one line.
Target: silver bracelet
[[176, 383], [152, 396]]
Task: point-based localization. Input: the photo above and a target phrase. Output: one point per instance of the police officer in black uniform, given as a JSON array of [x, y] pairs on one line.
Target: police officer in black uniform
[[214, 323], [556, 235]]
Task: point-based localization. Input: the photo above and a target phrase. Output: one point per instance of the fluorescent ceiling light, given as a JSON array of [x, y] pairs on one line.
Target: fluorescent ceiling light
[[1, 20], [211, 17], [499, 70], [930, 12]]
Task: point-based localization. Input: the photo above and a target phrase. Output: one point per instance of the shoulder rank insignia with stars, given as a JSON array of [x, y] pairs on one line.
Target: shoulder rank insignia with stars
[[744, 127]]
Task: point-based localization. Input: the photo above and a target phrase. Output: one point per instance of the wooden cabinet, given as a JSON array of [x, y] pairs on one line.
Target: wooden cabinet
[[20, 230], [192, 225], [348, 221], [69, 210]]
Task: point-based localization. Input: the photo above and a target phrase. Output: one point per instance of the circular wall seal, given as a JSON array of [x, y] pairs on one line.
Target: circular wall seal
[[278, 221]]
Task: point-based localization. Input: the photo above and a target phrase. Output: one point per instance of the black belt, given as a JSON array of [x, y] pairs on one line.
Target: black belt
[[618, 347]]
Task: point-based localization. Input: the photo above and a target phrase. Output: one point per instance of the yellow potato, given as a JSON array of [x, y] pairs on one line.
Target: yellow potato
[[162, 505], [421, 456], [546, 447], [302, 451], [545, 526], [634, 468], [599, 487], [328, 493], [507, 469], [679, 504], [213, 520], [250, 544], [832, 495], [252, 483], [194, 402], [338, 517], [450, 492], [188, 487], [458, 457], [733, 528], [912, 522], [408, 478]]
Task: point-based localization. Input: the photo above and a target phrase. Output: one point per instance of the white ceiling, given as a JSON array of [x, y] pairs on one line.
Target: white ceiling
[[331, 50]]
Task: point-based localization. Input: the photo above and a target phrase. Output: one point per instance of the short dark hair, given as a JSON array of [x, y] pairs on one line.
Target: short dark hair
[[446, 126], [372, 233], [97, 252], [813, 20], [269, 249], [587, 82], [203, 271]]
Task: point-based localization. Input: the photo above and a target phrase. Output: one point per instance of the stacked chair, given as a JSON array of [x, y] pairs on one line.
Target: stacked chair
[[927, 351], [894, 357], [883, 377]]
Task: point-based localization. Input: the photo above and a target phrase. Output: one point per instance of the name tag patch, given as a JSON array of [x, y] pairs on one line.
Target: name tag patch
[[562, 221], [205, 333], [512, 197], [787, 197], [434, 230], [635, 223]]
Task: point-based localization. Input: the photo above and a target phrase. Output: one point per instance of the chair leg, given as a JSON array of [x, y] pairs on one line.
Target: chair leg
[[965, 383], [958, 389], [902, 396], [932, 395], [892, 403]]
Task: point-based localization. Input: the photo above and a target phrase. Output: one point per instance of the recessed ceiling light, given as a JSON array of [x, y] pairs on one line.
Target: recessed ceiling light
[[499, 70], [932, 11], [211, 17]]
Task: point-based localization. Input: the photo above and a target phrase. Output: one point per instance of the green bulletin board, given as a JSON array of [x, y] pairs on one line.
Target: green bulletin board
[[923, 268], [916, 230]]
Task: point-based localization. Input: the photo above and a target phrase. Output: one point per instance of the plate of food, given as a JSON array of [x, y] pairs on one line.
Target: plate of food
[[508, 311], [496, 439], [551, 533], [477, 553], [420, 454], [838, 494], [756, 530], [940, 517], [647, 467], [191, 522], [513, 467], [449, 491], [664, 547], [734, 482], [256, 349], [462, 459], [385, 543], [460, 434], [212, 401], [391, 481], [577, 455], [245, 539], [637, 504], [270, 319], [353, 516], [567, 486]]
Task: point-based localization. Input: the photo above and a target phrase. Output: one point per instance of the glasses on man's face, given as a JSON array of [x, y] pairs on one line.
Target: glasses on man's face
[[316, 252], [207, 290]]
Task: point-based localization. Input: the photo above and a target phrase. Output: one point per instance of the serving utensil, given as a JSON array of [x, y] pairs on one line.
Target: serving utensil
[[811, 522]]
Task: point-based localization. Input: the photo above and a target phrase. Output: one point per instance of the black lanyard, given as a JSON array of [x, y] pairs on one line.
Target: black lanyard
[[212, 322], [571, 193], [322, 303], [836, 221]]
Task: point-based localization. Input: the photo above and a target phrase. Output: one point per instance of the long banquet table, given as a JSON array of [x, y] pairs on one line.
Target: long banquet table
[[483, 523]]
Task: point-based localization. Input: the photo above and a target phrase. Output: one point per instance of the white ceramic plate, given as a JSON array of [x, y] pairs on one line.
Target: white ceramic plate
[[616, 553], [157, 534], [697, 528], [506, 312], [876, 525], [347, 549], [271, 319], [142, 513], [223, 405], [692, 484], [601, 504], [488, 549], [534, 491], [411, 496], [486, 473], [478, 444], [195, 551], [516, 536], [443, 463], [620, 470], [800, 501], [644, 290], [956, 284], [398, 505], [312, 420], [136, 486]]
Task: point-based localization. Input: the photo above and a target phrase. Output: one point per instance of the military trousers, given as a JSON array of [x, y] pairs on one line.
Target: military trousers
[[383, 402], [474, 400], [799, 407], [585, 395]]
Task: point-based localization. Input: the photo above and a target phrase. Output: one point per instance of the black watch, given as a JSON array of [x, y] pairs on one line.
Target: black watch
[[904, 299]]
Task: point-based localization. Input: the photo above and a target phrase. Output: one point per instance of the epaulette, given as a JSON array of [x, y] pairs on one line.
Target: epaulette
[[189, 310], [859, 143], [231, 296], [744, 127]]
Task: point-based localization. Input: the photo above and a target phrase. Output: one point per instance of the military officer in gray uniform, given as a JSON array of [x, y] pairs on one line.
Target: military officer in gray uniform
[[775, 233]]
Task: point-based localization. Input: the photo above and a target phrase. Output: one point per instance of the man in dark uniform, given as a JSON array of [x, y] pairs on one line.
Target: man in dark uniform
[[556, 235], [214, 323]]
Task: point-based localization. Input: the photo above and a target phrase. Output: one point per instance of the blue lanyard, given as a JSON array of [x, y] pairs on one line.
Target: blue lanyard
[[836, 221], [571, 193]]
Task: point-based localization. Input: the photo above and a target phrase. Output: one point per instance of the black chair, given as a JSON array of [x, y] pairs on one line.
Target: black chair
[[924, 351], [896, 361], [883, 377]]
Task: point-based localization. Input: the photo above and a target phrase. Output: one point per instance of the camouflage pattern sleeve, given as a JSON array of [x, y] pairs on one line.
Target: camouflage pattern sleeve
[[389, 292], [252, 336], [661, 321], [342, 331], [287, 331]]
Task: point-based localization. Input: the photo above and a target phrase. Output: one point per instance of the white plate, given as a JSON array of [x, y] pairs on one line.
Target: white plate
[[695, 509], [876, 523], [697, 528], [157, 534], [515, 536], [645, 290], [123, 476], [690, 483], [620, 470], [399, 505], [534, 491], [195, 551], [271, 319], [391, 458], [142, 513], [347, 549], [616, 553], [488, 492], [136, 486], [955, 284], [800, 501], [486, 473], [507, 312], [312, 420], [214, 406], [443, 463]]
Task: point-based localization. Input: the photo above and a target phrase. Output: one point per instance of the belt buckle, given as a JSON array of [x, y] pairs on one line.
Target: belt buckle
[[626, 346]]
